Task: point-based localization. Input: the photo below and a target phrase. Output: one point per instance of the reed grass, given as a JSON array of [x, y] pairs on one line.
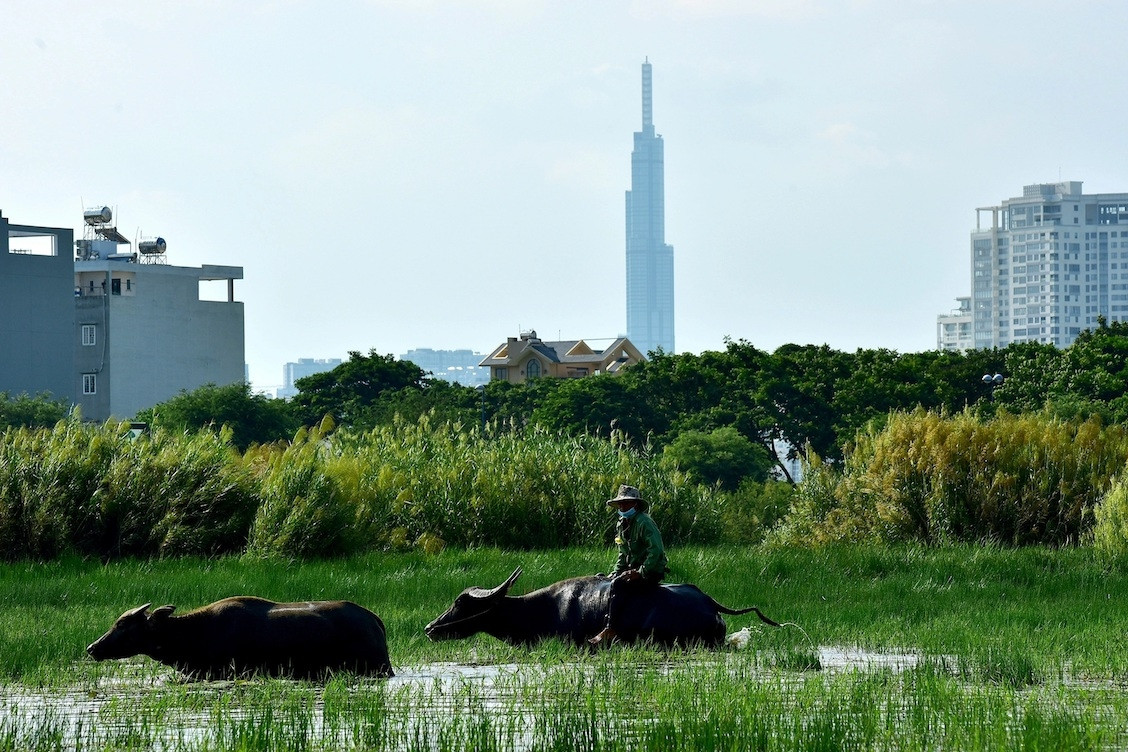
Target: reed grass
[[925, 477], [79, 489]]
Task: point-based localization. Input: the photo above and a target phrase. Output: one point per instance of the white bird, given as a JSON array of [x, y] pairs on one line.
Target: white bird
[[739, 639]]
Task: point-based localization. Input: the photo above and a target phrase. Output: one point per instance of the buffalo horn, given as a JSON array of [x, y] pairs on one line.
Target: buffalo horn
[[501, 589], [138, 610]]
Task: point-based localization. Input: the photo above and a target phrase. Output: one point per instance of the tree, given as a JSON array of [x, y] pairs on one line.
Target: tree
[[252, 418], [723, 456], [40, 411], [1090, 377], [595, 405], [349, 391], [444, 401]]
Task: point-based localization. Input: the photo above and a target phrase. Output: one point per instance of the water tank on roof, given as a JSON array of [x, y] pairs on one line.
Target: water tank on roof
[[152, 246], [98, 216]]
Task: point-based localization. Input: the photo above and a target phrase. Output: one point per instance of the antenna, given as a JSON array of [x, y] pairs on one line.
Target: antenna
[[647, 97]]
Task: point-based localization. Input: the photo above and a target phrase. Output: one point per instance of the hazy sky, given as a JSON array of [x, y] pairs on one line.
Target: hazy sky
[[394, 174]]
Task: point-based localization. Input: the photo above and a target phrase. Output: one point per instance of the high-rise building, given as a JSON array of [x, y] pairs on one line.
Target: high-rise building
[[1048, 265], [954, 330], [291, 372], [650, 261]]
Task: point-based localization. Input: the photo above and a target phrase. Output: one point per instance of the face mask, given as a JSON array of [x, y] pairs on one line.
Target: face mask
[[628, 514]]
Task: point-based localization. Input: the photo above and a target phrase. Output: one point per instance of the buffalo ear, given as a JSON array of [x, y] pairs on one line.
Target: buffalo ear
[[161, 613]]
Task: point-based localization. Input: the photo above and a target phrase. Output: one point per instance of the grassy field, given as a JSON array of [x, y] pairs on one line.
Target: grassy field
[[995, 649]]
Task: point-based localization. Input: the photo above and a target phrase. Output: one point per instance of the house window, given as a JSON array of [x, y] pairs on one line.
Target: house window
[[533, 369], [501, 373], [89, 383], [88, 336]]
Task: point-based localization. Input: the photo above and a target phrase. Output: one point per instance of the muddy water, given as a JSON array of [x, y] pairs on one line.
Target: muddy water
[[99, 712]]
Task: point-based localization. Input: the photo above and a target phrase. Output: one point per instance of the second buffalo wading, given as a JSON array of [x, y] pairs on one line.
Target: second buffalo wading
[[245, 635]]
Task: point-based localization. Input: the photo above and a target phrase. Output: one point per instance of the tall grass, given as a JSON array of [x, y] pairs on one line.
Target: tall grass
[[96, 491], [1014, 480]]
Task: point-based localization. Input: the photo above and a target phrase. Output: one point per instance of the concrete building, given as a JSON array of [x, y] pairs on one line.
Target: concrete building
[[528, 357], [291, 372], [36, 310], [1047, 264], [455, 366], [650, 261], [111, 332], [954, 330], [142, 331]]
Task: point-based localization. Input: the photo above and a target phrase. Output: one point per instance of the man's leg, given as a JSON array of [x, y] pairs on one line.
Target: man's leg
[[622, 592]]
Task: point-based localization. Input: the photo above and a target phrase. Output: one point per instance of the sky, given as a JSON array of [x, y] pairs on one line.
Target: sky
[[399, 174]]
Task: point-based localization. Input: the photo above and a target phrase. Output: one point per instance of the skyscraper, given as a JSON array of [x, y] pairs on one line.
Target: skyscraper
[[650, 261]]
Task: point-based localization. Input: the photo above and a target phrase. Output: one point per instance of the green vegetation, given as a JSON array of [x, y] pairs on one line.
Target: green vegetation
[[971, 541], [24, 410], [78, 489], [1000, 648], [814, 398], [250, 418], [1014, 480]]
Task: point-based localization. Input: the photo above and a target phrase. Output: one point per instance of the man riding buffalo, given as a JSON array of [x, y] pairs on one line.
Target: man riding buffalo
[[641, 564]]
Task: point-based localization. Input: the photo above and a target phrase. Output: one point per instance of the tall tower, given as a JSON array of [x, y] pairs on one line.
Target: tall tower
[[650, 262]]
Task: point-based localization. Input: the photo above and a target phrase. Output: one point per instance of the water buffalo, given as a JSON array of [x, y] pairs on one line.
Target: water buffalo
[[576, 609], [245, 635]]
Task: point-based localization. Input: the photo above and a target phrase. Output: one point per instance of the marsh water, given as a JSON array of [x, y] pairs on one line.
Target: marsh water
[[138, 708]]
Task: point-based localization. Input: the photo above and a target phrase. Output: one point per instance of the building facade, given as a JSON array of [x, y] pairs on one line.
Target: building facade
[[954, 330], [527, 357], [36, 310], [142, 334], [650, 261], [1047, 264], [110, 332]]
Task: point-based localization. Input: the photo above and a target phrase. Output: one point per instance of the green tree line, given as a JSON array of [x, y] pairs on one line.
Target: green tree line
[[740, 402], [898, 447]]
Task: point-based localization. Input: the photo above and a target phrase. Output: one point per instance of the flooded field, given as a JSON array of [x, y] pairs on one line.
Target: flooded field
[[867, 700]]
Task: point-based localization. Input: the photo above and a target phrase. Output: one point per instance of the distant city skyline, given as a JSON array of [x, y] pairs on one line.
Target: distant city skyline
[[393, 175], [458, 366]]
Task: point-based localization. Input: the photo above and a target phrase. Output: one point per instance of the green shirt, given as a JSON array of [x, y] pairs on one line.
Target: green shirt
[[640, 547]]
